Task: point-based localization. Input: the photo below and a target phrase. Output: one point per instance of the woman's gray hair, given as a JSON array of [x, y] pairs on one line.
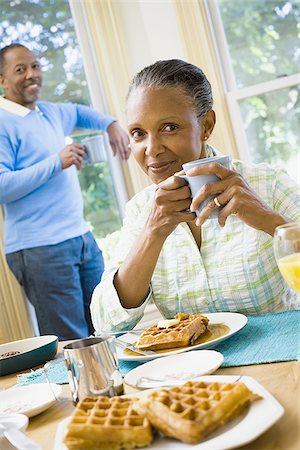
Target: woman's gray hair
[[177, 73]]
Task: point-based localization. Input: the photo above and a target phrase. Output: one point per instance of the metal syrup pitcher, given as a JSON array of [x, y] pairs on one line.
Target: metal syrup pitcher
[[92, 366]]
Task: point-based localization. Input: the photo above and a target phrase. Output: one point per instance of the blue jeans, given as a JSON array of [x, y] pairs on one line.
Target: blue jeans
[[59, 281]]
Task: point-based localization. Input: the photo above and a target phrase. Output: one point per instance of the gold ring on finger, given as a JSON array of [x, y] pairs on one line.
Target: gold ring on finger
[[217, 203]]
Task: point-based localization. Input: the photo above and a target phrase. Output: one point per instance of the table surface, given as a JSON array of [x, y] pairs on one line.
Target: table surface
[[282, 380]]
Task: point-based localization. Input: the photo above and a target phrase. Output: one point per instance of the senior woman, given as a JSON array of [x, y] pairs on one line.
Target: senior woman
[[164, 253]]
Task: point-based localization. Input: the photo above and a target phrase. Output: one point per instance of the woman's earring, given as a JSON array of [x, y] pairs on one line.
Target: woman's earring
[[205, 138]]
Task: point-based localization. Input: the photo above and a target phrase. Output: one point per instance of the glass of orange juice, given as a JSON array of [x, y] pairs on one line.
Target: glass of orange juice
[[287, 253]]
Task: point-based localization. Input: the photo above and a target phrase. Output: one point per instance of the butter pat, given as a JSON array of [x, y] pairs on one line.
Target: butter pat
[[167, 323]]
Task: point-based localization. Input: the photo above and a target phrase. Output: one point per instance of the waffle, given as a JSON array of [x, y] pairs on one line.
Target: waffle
[[102, 423], [191, 411], [186, 331]]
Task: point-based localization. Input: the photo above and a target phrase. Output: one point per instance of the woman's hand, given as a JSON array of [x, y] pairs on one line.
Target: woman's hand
[[172, 199], [236, 198]]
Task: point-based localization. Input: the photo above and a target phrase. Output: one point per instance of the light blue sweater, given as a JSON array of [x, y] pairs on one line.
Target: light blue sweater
[[42, 203]]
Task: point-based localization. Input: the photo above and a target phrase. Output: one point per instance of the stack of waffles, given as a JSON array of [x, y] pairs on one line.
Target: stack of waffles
[[187, 329], [104, 423], [187, 413], [190, 412]]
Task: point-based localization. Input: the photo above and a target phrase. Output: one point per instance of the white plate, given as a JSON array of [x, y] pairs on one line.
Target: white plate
[[185, 366], [29, 400], [260, 416], [18, 421], [234, 321]]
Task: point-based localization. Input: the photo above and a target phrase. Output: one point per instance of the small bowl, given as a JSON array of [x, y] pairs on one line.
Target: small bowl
[[33, 352]]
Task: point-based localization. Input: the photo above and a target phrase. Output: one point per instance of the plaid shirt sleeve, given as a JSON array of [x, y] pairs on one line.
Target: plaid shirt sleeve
[[286, 196], [107, 311]]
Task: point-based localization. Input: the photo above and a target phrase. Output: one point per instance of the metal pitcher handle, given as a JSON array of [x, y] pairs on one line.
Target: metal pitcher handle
[[74, 383]]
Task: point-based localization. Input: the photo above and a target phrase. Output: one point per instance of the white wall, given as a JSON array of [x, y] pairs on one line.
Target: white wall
[[151, 32]]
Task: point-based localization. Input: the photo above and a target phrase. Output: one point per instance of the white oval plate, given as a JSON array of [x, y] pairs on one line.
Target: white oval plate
[[29, 400], [185, 366], [234, 321], [253, 422], [18, 421]]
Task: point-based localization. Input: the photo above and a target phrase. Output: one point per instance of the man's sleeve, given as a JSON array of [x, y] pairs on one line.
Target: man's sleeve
[[79, 116], [15, 184]]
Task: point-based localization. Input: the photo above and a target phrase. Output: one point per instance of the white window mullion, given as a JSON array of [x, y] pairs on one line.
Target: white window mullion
[[97, 97], [238, 128], [220, 43], [268, 86], [228, 77], [235, 96]]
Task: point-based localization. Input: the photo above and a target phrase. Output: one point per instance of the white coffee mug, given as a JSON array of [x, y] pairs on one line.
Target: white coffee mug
[[197, 181], [94, 149]]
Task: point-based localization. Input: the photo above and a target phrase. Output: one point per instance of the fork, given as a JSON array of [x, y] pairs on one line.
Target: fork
[[133, 348], [118, 333], [148, 382], [46, 368]]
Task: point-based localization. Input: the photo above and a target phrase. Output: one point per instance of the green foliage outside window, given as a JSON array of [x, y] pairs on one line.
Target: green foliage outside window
[[46, 27], [264, 44], [263, 38]]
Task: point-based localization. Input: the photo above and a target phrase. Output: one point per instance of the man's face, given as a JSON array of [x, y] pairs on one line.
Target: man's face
[[22, 77]]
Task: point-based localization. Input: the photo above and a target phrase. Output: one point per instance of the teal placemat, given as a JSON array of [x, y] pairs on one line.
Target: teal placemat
[[57, 373], [265, 339]]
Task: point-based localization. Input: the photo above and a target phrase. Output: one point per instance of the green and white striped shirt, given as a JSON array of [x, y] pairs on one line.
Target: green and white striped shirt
[[234, 270]]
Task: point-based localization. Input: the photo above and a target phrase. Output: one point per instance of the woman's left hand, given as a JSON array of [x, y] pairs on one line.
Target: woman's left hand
[[236, 198]]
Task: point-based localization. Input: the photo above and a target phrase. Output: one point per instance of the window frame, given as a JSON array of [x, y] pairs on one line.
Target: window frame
[[98, 99], [232, 93]]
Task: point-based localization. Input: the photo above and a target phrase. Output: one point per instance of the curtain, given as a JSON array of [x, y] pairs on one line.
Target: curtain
[[112, 57], [14, 322], [197, 40]]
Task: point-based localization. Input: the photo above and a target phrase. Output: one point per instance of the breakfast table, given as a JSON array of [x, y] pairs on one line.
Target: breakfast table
[[282, 380], [267, 349]]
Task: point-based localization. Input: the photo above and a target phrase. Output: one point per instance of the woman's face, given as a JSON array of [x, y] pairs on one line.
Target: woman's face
[[164, 131]]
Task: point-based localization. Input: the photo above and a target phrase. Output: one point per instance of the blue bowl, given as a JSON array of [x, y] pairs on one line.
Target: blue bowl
[[33, 352]]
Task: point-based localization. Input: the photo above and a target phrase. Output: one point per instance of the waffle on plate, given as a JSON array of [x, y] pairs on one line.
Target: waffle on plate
[[186, 329], [103, 423], [189, 412]]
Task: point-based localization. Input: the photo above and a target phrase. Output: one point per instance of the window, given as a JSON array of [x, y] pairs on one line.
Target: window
[[258, 45], [46, 27]]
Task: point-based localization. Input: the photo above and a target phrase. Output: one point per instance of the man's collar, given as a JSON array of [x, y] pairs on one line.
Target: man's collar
[[14, 108]]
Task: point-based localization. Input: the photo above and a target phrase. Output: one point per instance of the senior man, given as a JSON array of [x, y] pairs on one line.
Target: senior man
[[48, 245]]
